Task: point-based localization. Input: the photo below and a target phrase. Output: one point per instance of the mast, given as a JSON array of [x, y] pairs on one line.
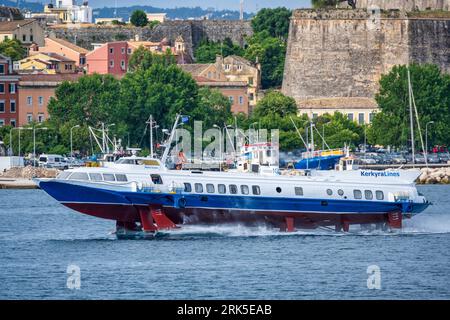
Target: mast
[[172, 134], [411, 116], [312, 137], [150, 124]]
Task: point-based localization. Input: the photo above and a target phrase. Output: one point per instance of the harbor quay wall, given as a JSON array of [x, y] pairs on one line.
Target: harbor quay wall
[[434, 176], [342, 53]]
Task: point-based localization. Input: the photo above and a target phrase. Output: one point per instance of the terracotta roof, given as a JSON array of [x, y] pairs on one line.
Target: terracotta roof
[[195, 68], [69, 45], [58, 57], [6, 26], [30, 79], [241, 60]]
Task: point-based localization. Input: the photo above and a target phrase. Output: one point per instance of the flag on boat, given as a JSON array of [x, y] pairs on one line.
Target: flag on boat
[[185, 119]]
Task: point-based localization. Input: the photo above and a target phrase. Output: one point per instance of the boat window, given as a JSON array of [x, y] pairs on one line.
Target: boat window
[[79, 176], [156, 179], [210, 188], [256, 190], [96, 176], [222, 189], [368, 194], [64, 175], [244, 189], [357, 194], [187, 187], [233, 189], [379, 194], [298, 191], [121, 178], [278, 189], [108, 177], [340, 192], [329, 192], [198, 188]]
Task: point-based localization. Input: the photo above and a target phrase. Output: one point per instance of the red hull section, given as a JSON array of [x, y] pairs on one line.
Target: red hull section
[[153, 218]]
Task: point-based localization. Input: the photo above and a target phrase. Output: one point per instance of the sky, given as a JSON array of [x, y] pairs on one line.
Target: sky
[[249, 5]]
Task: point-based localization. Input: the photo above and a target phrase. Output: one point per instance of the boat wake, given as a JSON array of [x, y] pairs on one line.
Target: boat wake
[[419, 225]]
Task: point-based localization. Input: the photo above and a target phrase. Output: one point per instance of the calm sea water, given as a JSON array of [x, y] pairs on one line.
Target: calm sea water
[[39, 239]]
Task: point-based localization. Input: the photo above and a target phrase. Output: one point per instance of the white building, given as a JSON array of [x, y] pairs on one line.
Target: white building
[[69, 11]]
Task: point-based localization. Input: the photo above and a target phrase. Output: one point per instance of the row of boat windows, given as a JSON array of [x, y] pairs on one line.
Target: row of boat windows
[[244, 189], [222, 189], [109, 177], [358, 194]]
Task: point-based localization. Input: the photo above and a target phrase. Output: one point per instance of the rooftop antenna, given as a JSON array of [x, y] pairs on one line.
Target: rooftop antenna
[[241, 17], [115, 9]]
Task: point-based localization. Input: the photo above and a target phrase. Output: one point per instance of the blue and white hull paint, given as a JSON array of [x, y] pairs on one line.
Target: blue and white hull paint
[[337, 200]]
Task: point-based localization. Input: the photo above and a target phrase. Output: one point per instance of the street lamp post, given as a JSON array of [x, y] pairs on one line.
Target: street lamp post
[[71, 137], [220, 145], [426, 138], [34, 142], [20, 131]]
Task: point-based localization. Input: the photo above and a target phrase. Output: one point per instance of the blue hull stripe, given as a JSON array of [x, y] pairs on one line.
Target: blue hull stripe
[[70, 193]]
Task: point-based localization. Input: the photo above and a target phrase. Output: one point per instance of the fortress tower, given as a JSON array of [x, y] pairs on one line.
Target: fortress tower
[[335, 58], [405, 5]]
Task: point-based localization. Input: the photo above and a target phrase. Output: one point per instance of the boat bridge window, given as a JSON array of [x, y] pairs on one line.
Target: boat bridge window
[[368, 194], [329, 192], [126, 161], [64, 175], [79, 176], [256, 190], [210, 188], [379, 194], [156, 179], [222, 188], [187, 187], [109, 177], [244, 189], [121, 178], [233, 189], [298, 191], [198, 188], [96, 176], [357, 194]]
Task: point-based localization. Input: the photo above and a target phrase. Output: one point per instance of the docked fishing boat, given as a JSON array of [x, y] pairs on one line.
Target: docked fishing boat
[[144, 196]]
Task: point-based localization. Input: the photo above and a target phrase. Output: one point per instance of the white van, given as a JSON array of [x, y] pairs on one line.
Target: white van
[[53, 161]]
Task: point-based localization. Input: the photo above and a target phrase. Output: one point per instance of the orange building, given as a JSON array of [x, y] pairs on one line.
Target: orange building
[[66, 49], [235, 91], [35, 91]]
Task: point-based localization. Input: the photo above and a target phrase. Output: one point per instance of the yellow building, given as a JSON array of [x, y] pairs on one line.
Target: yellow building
[[47, 63], [27, 31]]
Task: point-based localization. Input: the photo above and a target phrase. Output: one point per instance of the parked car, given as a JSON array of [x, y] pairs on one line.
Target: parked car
[[398, 159], [433, 158], [444, 157], [53, 161]]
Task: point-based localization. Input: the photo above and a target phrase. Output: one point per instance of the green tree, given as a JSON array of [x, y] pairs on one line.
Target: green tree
[[212, 108], [142, 58], [271, 53], [274, 102], [325, 3], [207, 51], [161, 91], [13, 48], [275, 21], [90, 101], [139, 18], [431, 90]]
